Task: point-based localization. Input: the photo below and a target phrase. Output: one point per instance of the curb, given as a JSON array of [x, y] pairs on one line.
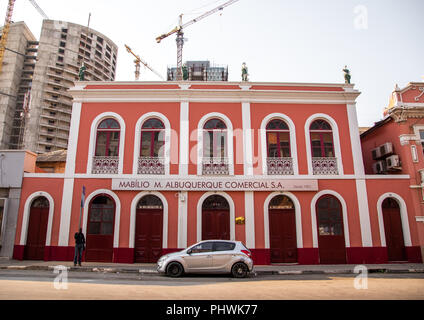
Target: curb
[[257, 272]]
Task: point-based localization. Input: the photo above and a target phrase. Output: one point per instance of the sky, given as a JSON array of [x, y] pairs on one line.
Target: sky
[[303, 41]]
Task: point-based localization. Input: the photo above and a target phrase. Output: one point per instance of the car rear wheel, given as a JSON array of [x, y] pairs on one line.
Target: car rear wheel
[[239, 270], [174, 270]]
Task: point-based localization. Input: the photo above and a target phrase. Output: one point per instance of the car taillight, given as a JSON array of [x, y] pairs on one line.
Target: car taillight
[[247, 253]]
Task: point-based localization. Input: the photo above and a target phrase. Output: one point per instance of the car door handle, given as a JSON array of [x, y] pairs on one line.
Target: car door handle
[[209, 256]]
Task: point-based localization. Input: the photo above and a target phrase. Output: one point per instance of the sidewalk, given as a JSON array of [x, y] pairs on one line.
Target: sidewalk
[[146, 269]]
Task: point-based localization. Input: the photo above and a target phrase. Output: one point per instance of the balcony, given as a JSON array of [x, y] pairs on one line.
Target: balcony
[[325, 166], [105, 165], [215, 166], [151, 165], [280, 166]]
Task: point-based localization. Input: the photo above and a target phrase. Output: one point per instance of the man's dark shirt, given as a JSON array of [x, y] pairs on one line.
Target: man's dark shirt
[[79, 238]]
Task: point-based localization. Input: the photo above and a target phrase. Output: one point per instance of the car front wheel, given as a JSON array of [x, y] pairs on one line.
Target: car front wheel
[[174, 270], [239, 270]]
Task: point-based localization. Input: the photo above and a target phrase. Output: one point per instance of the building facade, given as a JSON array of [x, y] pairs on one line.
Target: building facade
[[40, 114], [394, 146], [166, 164], [13, 165]]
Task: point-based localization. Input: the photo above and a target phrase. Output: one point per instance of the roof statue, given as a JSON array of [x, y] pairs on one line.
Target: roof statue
[[185, 72], [347, 75], [82, 72], [244, 72]]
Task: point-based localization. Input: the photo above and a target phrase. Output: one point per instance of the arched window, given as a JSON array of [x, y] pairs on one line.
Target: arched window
[[279, 161], [321, 139], [152, 138], [215, 153], [107, 140], [278, 139], [151, 159], [215, 139], [322, 146]]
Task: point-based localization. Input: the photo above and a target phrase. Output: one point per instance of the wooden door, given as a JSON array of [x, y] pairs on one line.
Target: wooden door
[[100, 232], [37, 232], [331, 240], [393, 231], [148, 235], [216, 225], [282, 233]]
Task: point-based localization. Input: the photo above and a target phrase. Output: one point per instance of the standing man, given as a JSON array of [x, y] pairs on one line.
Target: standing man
[[79, 247]]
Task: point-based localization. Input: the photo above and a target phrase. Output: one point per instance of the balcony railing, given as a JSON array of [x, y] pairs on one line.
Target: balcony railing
[[215, 166], [280, 166], [325, 166], [105, 165], [151, 165]]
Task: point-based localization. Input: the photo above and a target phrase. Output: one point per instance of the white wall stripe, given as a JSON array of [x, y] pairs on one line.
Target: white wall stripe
[[364, 213]]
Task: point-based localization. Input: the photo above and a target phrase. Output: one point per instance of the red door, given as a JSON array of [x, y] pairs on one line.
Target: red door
[[215, 225], [101, 222], [393, 230], [37, 231], [282, 234], [331, 240], [148, 235]]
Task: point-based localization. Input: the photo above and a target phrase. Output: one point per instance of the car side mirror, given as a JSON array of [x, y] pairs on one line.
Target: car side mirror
[[189, 251]]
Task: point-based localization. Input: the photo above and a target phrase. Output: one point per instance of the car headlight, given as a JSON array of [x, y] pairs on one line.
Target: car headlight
[[162, 259]]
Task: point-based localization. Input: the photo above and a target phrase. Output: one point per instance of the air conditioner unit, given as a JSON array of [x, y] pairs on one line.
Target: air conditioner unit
[[393, 162], [386, 149], [379, 167], [375, 153]]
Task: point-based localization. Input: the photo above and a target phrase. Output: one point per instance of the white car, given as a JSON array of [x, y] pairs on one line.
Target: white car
[[209, 256]]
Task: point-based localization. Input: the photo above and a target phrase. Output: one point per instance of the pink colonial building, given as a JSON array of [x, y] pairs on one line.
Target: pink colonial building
[[394, 146], [277, 166]]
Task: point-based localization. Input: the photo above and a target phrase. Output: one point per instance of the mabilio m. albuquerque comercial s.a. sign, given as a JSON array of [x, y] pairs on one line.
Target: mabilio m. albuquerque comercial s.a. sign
[[214, 184]]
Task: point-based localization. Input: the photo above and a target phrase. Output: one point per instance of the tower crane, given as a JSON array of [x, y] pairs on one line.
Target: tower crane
[[6, 29], [36, 6], [137, 62], [179, 30]]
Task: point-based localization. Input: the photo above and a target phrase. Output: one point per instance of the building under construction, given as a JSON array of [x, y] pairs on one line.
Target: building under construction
[[200, 71], [35, 106]]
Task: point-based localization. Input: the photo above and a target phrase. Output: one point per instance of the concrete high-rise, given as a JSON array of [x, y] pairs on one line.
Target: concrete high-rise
[[15, 80], [48, 69]]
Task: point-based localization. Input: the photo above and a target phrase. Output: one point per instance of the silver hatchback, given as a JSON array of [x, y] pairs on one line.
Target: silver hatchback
[[209, 256]]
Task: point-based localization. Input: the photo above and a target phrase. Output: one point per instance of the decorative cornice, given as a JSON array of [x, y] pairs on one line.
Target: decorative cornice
[[81, 94]]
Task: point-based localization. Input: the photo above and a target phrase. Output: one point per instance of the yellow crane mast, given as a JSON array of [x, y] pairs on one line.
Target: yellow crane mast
[[6, 29]]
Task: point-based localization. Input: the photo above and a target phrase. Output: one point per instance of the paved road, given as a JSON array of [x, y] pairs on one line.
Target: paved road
[[16, 284]]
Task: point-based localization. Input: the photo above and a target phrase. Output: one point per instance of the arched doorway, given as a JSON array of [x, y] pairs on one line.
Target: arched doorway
[[393, 230], [282, 230], [101, 222], [215, 218], [331, 239], [148, 230], [37, 229]]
